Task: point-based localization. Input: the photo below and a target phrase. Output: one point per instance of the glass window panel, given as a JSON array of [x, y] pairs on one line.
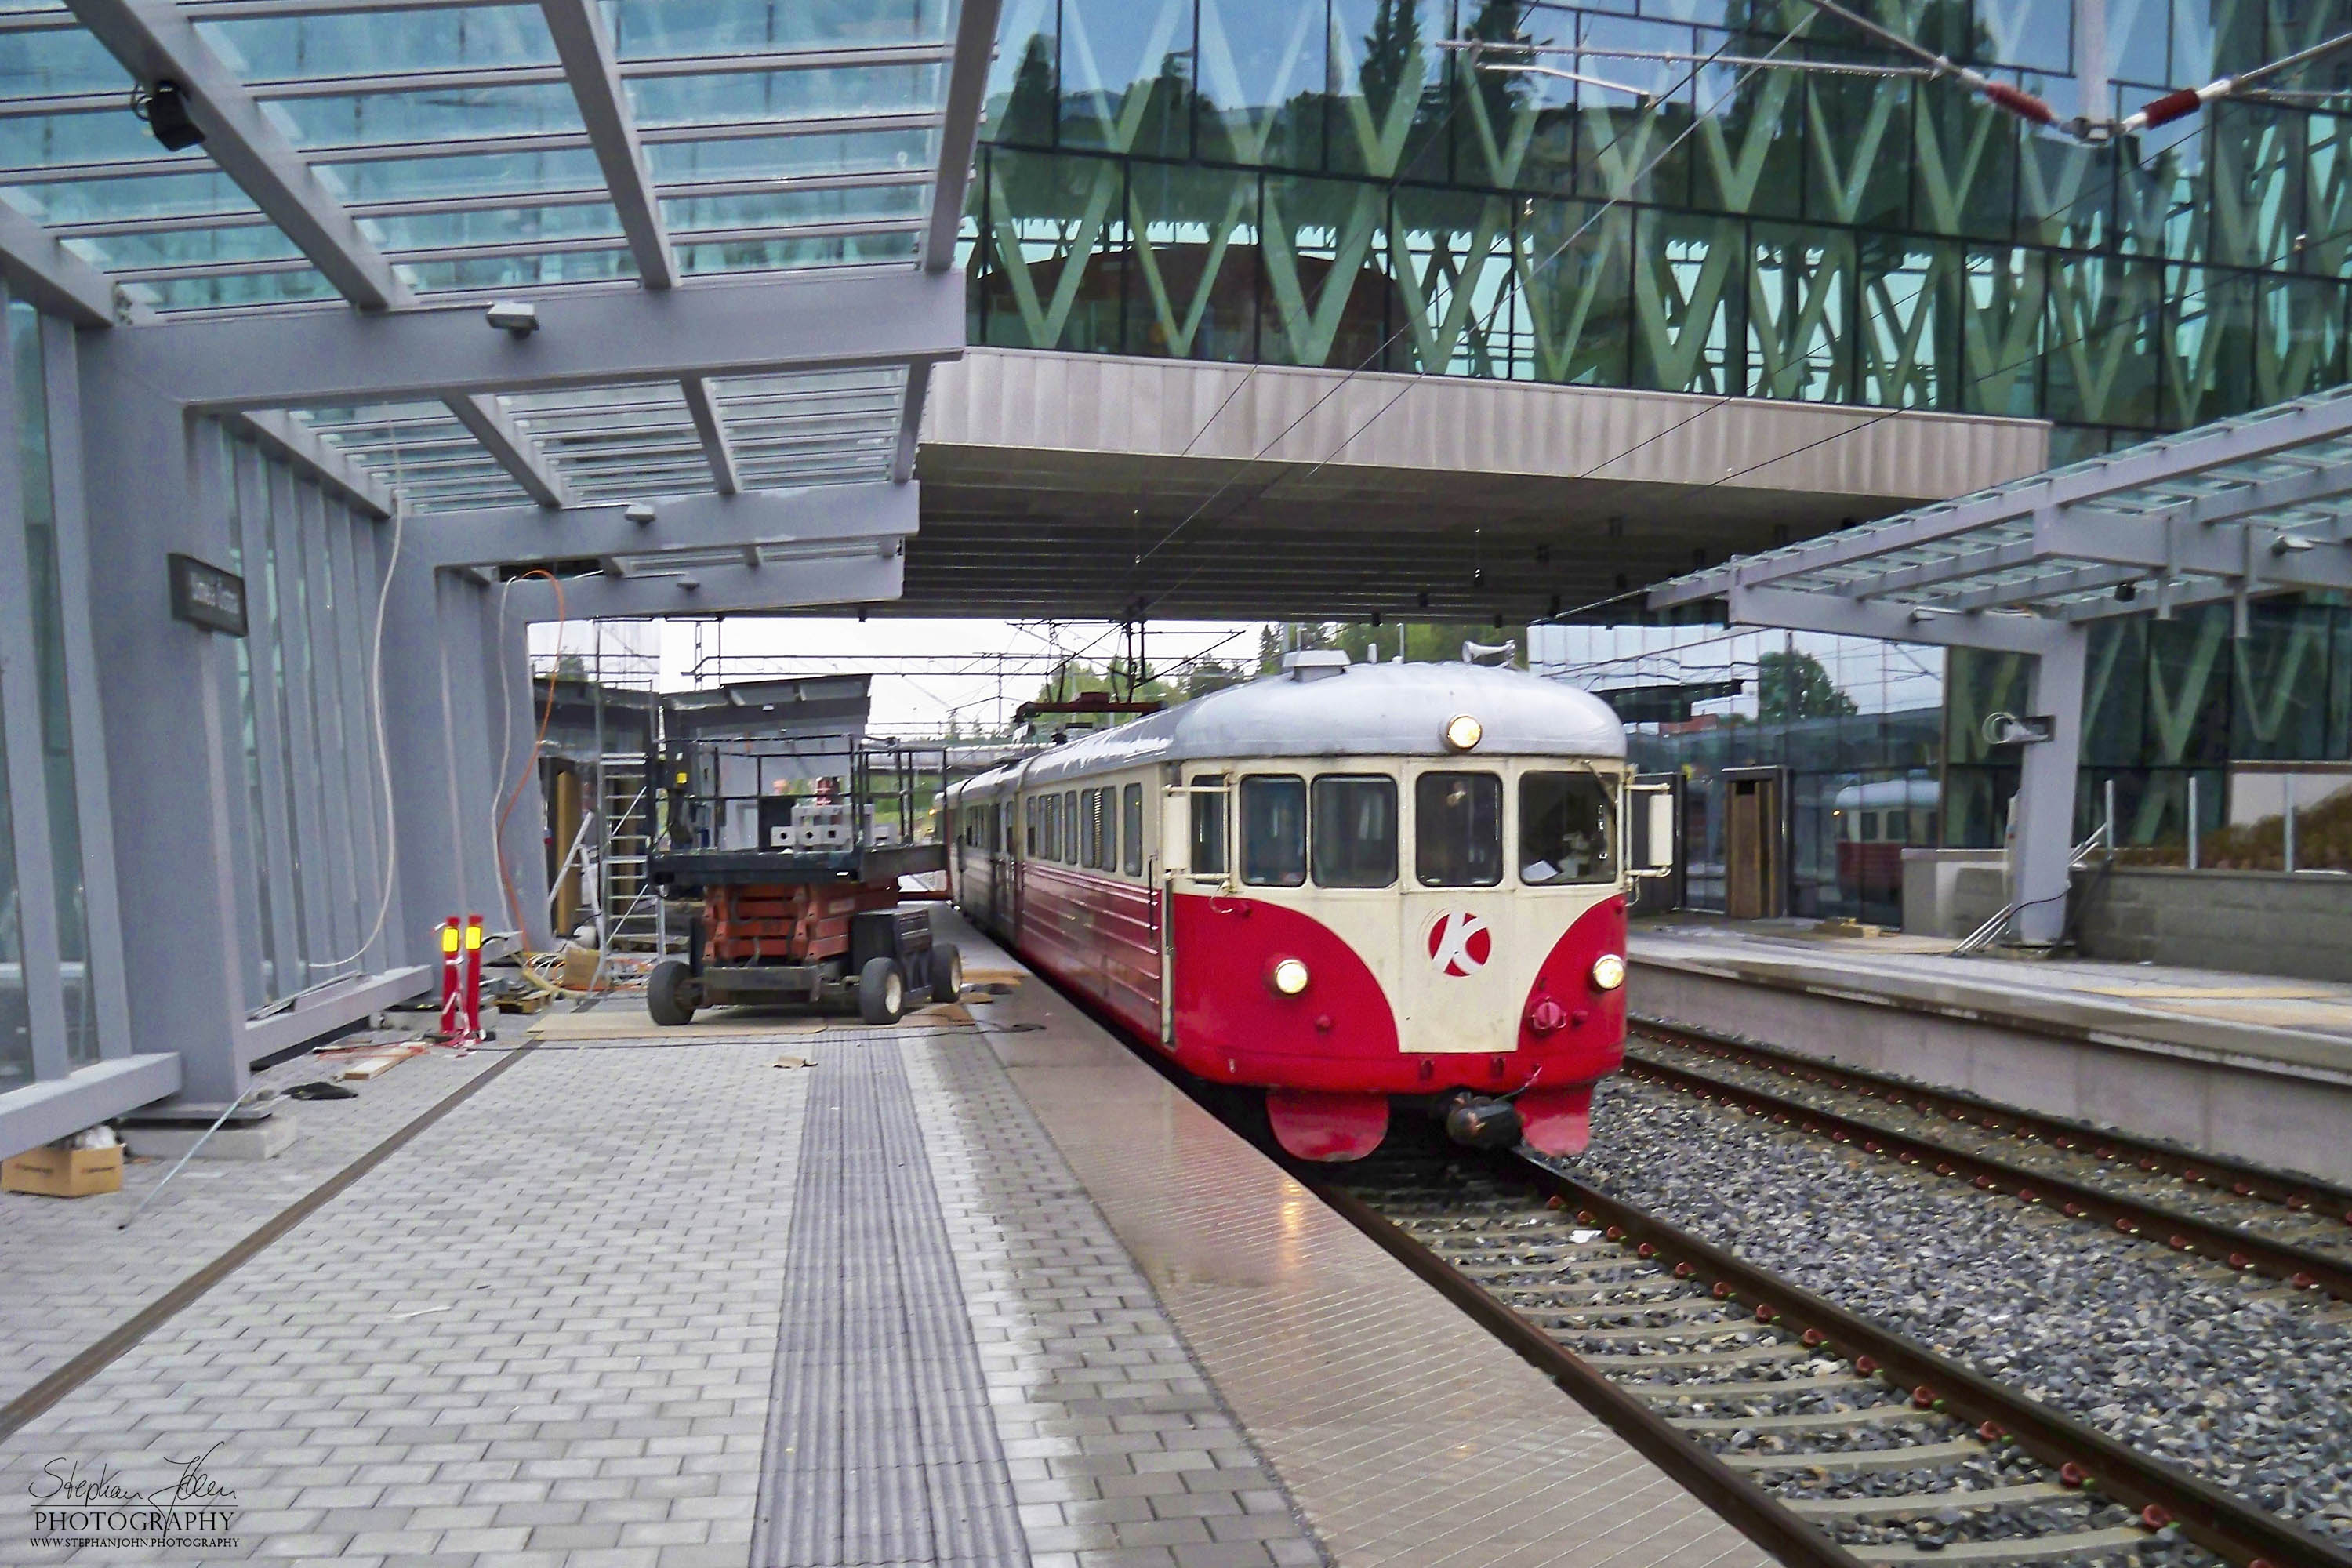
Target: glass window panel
[[1023, 100], [792, 208], [1192, 289], [1568, 829], [379, 43], [233, 290], [1457, 830], [16, 1015], [201, 191], [777, 157], [1070, 827], [453, 114], [1274, 830], [403, 179], [1209, 825], [488, 272], [1131, 827], [187, 248], [755, 256], [1261, 77], [1126, 71], [1355, 831], [653, 29], [37, 140], [52, 63], [493, 226], [740, 96], [1381, 118]]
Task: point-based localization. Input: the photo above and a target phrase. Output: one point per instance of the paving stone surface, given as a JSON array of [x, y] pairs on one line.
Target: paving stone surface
[[68, 1276], [541, 1332]]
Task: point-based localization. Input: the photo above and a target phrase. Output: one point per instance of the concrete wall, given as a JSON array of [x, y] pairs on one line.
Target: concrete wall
[[2260, 922], [1943, 888]]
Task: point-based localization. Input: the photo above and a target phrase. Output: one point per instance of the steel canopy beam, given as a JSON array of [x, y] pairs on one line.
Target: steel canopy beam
[[585, 339], [298, 445], [1848, 617], [595, 79], [862, 579], [702, 405], [514, 535], [156, 43], [44, 273], [513, 447], [975, 45]]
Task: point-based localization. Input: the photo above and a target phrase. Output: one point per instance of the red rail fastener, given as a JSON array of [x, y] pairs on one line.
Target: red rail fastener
[[1646, 1250], [1812, 1336], [2153, 1517], [2240, 1260], [1924, 1397], [1991, 1432], [2302, 1281], [1864, 1364], [2177, 1243], [2071, 1474], [1764, 1312], [1722, 1290], [1555, 1202]]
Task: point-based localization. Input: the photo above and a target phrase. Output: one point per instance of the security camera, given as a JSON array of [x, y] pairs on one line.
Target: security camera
[[164, 108], [514, 316], [640, 512], [2013, 730]]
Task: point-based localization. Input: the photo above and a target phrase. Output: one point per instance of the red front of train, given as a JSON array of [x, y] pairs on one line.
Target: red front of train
[[1413, 902]]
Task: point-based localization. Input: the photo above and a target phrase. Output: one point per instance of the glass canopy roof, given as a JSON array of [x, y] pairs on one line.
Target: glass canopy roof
[[2258, 504], [486, 149]]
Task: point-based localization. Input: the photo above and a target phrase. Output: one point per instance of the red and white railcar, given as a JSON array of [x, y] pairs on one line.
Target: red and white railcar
[[1359, 888]]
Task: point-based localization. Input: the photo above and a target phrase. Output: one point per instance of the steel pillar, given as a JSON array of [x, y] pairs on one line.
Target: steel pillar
[[2045, 793]]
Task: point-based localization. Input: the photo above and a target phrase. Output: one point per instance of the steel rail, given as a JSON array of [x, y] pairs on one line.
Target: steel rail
[[1741, 1502], [2300, 1266], [2241, 1176], [2223, 1523]]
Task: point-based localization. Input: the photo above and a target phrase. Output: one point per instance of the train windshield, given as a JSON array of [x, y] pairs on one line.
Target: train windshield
[[1274, 830], [1355, 831], [1565, 831], [1207, 825], [1458, 830]]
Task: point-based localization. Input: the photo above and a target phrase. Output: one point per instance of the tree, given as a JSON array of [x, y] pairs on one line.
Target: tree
[[1390, 50], [1793, 685]]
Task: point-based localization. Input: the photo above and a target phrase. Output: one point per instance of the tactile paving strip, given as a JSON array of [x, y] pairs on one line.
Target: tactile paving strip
[[880, 1450]]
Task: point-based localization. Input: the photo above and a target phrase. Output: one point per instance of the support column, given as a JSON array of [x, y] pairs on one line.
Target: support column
[[170, 737], [521, 844], [2045, 790], [424, 808]]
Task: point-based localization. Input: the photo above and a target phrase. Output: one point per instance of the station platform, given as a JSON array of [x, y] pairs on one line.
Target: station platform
[[981, 1289], [2251, 1065]]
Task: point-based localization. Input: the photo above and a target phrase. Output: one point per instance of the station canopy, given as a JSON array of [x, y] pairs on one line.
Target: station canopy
[[2226, 512], [398, 156]]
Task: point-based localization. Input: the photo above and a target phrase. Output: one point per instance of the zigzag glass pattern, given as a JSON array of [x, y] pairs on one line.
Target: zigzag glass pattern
[[1316, 183]]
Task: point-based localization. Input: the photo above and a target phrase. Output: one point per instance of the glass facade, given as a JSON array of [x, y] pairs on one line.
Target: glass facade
[[1317, 183]]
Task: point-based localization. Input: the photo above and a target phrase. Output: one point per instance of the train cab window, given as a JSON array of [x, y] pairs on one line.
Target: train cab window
[[1274, 830], [1567, 829], [1130, 803], [1458, 830], [1070, 826], [1207, 825], [1355, 831]]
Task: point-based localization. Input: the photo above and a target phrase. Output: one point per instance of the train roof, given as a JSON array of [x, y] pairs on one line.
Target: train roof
[[1323, 709]]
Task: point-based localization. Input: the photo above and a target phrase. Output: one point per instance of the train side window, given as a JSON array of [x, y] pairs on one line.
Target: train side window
[[1130, 802], [1274, 830], [1053, 827], [1567, 829], [1898, 826], [1107, 804], [1355, 830], [1030, 828], [1457, 830], [1209, 826], [1069, 827], [1870, 827]]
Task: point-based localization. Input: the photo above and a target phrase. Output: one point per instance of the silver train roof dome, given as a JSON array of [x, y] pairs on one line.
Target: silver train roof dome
[[1320, 705]]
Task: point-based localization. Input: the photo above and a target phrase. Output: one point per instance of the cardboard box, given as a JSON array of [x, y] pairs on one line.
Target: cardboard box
[[64, 1173]]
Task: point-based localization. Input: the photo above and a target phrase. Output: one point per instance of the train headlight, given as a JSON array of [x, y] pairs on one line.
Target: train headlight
[[1608, 972], [1463, 733], [1289, 976]]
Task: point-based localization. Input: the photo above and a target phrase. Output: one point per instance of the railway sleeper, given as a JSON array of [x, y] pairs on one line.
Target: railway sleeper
[[1810, 1421], [1766, 1388], [1917, 1505], [2022, 1549], [1727, 1329], [1688, 1307], [1917, 1456], [1781, 1351]]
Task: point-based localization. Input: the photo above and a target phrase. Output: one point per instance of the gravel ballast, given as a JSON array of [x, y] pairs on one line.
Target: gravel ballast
[[2243, 1383]]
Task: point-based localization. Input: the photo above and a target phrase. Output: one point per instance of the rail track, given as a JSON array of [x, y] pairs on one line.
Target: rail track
[[2238, 1215], [1829, 1440]]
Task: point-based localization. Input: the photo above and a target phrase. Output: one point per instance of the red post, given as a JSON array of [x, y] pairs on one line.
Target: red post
[[449, 1020], [473, 978]]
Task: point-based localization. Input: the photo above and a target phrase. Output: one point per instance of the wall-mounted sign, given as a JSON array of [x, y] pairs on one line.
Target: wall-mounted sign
[[207, 596]]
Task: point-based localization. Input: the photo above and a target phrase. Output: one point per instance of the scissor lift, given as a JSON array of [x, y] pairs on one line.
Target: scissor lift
[[812, 910]]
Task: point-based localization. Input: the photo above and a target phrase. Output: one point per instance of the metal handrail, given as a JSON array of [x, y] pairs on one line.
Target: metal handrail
[[1984, 936]]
